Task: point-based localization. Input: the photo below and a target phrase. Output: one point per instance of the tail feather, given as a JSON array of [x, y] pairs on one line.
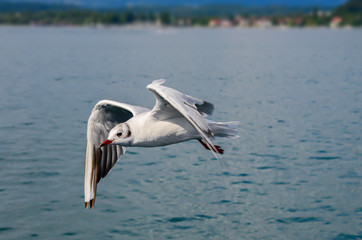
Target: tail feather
[[225, 129]]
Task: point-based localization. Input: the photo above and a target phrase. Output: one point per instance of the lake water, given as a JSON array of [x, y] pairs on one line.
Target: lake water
[[294, 173]]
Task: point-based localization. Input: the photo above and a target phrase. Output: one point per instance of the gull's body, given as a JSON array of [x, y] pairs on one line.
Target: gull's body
[[147, 131], [114, 126]]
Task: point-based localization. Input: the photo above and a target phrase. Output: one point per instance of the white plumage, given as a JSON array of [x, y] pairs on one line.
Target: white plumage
[[114, 126]]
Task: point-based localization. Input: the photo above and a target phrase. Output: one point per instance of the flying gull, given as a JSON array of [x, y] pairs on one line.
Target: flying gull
[[176, 117]]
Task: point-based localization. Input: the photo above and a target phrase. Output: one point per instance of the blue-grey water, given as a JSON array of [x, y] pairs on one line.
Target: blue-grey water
[[294, 173]]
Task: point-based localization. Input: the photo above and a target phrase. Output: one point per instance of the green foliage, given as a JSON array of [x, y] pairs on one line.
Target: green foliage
[[72, 17], [351, 7], [351, 13], [165, 18], [202, 21]]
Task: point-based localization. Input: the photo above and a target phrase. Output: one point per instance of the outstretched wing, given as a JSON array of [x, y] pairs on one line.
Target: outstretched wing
[[172, 103], [98, 162]]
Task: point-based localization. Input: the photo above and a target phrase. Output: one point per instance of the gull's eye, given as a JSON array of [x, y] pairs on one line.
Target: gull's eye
[[119, 134]]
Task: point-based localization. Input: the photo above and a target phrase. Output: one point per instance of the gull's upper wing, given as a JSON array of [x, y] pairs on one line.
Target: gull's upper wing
[[98, 162], [172, 103]]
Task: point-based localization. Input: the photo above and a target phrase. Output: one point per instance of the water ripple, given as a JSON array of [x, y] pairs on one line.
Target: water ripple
[[325, 158], [197, 217], [181, 219], [124, 232], [280, 183], [298, 220], [275, 156], [3, 229], [271, 167], [221, 202], [345, 236], [243, 182], [69, 234]]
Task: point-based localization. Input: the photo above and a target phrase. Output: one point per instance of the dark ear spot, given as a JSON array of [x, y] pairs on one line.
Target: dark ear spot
[[129, 133]]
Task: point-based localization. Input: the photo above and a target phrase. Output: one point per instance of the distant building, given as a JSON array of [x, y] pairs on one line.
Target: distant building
[[298, 21], [323, 13], [220, 23], [241, 22], [226, 23], [289, 21], [158, 22], [214, 22], [262, 23], [181, 22], [335, 22]]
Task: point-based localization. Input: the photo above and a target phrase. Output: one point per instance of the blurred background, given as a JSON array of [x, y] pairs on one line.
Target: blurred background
[[212, 13], [288, 71]]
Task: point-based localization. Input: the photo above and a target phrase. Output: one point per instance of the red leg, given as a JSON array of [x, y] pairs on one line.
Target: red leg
[[218, 148]]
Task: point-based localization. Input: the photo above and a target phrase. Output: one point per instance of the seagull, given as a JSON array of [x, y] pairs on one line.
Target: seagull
[[176, 117]]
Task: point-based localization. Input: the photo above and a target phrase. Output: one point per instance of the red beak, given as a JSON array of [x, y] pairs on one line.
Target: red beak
[[105, 143]]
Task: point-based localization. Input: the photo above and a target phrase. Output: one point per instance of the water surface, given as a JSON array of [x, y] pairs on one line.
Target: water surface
[[294, 173]]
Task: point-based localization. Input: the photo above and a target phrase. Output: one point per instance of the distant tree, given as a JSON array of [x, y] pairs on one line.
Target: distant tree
[[165, 18], [128, 17], [350, 7], [115, 18], [201, 21], [141, 17], [351, 12], [150, 17]]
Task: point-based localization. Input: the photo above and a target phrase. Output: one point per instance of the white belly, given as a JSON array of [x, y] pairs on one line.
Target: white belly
[[161, 133]]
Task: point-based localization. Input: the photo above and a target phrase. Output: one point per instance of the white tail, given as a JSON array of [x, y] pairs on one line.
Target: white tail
[[224, 129]]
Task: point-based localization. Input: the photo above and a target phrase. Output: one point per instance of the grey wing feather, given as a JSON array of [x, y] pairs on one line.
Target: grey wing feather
[[98, 162]]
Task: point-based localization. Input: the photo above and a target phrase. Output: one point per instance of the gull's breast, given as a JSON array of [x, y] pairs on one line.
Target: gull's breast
[[153, 133]]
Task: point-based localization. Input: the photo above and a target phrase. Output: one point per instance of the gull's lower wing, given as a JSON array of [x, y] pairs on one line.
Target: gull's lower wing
[[98, 162], [170, 103]]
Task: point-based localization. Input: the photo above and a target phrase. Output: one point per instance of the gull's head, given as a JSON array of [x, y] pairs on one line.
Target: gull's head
[[119, 135]]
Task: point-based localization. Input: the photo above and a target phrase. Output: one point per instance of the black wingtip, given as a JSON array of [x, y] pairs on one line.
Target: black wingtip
[[92, 203], [206, 108], [89, 204]]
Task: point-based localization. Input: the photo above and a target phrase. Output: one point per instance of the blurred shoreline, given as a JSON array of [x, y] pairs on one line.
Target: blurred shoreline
[[347, 15], [160, 27]]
